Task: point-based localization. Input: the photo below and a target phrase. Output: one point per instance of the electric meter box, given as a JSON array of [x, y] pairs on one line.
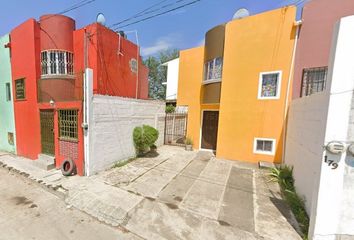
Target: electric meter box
[[335, 147]]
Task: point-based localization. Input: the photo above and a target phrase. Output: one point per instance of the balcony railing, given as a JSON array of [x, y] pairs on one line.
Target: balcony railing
[[57, 63]]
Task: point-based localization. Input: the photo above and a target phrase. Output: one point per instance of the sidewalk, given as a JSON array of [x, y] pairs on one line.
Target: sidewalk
[[176, 195]]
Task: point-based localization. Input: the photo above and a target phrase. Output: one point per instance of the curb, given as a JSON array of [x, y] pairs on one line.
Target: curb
[[57, 190]]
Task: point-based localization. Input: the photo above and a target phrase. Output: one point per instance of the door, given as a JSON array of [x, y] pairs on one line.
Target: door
[[210, 129], [47, 131]]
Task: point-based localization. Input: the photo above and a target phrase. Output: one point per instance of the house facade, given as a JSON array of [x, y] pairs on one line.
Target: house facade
[[237, 86], [7, 121], [314, 44], [48, 61], [322, 112]]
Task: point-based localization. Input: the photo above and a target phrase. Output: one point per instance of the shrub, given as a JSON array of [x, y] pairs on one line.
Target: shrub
[[143, 138], [188, 141], [284, 176], [170, 108]]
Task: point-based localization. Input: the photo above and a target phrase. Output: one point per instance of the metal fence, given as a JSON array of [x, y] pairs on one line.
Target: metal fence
[[175, 128]]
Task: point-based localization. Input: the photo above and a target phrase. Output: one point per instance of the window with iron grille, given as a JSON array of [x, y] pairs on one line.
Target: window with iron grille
[[264, 146], [56, 62], [269, 85], [213, 69], [8, 92], [313, 80], [68, 128], [20, 89]]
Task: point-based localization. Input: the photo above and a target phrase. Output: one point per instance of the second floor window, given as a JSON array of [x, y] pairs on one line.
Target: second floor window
[[213, 69], [56, 62], [313, 80], [269, 85]]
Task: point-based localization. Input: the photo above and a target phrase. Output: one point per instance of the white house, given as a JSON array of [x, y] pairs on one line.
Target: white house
[[172, 80], [325, 175]]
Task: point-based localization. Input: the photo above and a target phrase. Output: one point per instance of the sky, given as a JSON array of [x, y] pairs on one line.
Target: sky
[[181, 29]]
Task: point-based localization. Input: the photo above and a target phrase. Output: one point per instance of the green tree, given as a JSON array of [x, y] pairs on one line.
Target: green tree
[[158, 73]]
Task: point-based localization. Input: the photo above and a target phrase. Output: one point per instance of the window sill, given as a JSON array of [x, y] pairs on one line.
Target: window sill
[[264, 153], [56, 76], [68, 140], [269, 98], [205, 82]]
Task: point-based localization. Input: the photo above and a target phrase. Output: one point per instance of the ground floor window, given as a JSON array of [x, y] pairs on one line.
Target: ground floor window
[[264, 146], [10, 138], [68, 124]]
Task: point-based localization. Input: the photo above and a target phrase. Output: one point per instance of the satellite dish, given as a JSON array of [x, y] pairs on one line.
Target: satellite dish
[[101, 19], [241, 13]]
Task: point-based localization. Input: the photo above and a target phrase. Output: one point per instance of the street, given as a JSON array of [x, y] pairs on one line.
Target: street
[[29, 212]]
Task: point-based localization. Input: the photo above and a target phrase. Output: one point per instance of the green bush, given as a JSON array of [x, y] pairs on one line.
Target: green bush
[[284, 176], [170, 108], [188, 141], [143, 138]]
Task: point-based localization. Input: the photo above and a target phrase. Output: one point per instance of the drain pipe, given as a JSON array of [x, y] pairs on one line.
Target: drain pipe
[[297, 24]]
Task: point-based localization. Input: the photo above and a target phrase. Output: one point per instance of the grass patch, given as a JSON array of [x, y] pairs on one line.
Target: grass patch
[[123, 163], [284, 176]]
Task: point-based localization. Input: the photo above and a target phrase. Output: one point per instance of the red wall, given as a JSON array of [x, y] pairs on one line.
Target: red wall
[[112, 73], [25, 52], [319, 18], [57, 32]]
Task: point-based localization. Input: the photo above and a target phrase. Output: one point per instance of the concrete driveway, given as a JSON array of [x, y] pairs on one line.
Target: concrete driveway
[[192, 195], [175, 195]]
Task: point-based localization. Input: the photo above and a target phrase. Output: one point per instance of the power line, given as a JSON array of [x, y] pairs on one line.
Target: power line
[[73, 7], [159, 14], [146, 11], [139, 13]]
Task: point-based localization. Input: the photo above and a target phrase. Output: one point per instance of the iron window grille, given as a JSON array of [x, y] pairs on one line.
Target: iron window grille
[[213, 70], [313, 80], [57, 62], [8, 92], [269, 85], [20, 89], [68, 124], [10, 138]]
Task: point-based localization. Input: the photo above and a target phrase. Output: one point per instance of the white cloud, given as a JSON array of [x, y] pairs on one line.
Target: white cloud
[[161, 44]]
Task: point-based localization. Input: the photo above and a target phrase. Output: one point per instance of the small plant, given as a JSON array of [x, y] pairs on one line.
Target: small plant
[[144, 137], [189, 144], [188, 141], [170, 108], [284, 176]]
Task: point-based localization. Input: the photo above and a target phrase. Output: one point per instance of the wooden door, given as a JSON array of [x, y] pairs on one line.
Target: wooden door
[[210, 129]]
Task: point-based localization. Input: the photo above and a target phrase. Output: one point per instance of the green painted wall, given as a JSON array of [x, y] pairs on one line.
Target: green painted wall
[[7, 122]]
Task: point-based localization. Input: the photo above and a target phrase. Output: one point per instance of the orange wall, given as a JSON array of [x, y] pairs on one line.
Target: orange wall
[[189, 89], [260, 43]]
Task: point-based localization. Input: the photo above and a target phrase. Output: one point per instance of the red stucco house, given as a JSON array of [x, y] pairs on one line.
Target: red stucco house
[[48, 58]]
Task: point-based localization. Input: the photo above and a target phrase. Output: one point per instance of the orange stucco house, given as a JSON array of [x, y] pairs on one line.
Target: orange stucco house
[[238, 85]]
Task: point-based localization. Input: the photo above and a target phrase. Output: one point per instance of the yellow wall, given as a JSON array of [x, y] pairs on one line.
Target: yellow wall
[[260, 43], [189, 89]]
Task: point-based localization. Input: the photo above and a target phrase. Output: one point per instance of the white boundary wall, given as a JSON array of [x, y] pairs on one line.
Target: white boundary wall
[[111, 128], [313, 122]]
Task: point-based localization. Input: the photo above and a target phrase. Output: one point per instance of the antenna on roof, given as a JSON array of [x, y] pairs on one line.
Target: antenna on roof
[[241, 13], [101, 19]]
